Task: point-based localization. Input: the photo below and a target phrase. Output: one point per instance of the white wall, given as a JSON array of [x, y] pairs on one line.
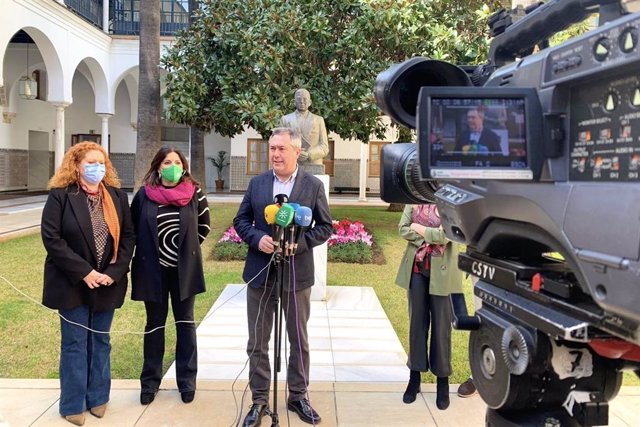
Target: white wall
[[123, 135]]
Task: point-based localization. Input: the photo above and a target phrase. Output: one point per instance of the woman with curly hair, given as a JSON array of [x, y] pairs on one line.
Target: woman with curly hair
[[88, 234]]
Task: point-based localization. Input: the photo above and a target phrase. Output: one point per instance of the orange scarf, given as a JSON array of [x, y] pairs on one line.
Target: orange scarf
[[111, 218]]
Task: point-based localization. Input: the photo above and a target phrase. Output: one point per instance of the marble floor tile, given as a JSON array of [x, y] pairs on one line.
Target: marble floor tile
[[380, 373], [366, 409], [14, 411]]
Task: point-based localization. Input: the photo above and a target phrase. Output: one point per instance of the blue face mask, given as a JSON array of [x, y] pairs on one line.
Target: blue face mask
[[94, 172]]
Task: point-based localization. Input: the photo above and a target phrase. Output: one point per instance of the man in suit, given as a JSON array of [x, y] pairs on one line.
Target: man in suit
[[252, 227], [310, 127], [477, 139]]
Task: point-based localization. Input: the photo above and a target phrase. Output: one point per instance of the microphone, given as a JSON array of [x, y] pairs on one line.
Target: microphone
[[284, 217], [270, 212], [280, 199], [302, 219], [295, 206]]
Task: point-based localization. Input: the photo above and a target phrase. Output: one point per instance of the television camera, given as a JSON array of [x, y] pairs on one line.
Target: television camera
[[534, 162]]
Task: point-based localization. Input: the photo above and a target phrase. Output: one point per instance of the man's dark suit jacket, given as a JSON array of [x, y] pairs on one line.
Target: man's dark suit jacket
[[251, 225], [488, 138], [67, 235]]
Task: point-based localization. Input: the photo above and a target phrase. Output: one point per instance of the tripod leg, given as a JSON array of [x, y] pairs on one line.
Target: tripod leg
[[277, 313]]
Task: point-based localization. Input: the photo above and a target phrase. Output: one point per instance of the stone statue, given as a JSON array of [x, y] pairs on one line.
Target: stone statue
[[311, 128]]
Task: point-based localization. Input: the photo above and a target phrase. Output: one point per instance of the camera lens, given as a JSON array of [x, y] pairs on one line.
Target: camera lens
[[401, 178]]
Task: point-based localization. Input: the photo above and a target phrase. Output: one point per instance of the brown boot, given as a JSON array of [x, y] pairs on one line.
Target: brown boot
[[77, 419], [98, 411]]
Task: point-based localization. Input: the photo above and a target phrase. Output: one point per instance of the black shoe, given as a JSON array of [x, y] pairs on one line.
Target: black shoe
[[254, 416], [147, 397], [187, 396], [467, 388], [413, 388], [305, 411], [410, 393], [442, 393]]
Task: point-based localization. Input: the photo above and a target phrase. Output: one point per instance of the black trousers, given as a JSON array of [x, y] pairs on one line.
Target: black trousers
[[186, 345], [428, 313], [260, 311]]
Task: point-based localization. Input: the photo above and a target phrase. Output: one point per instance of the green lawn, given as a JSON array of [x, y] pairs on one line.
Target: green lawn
[[29, 334]]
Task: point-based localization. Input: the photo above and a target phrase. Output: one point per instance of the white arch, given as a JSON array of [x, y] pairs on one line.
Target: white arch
[[57, 89], [98, 81], [130, 77]]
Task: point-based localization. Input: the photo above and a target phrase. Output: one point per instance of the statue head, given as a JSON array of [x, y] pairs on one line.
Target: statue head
[[302, 100]]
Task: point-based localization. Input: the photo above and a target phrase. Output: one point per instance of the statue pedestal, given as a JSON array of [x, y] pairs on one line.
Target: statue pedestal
[[313, 169], [319, 289]]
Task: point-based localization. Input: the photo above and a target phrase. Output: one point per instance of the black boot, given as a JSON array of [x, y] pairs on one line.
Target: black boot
[[413, 388], [442, 393]]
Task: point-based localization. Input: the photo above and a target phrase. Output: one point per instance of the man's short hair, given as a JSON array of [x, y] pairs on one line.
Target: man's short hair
[[479, 111], [296, 140]]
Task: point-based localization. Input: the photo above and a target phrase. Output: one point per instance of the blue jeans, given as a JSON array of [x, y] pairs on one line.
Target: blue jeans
[[85, 367]]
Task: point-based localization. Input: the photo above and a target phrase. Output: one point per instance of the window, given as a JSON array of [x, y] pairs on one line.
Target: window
[[375, 147], [329, 158], [257, 156]]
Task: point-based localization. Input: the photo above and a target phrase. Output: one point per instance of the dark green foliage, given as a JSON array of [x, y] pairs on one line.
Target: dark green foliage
[[241, 60], [230, 251], [352, 252]]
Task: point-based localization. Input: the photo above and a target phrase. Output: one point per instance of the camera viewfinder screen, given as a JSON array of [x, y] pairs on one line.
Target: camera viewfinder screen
[[478, 138]]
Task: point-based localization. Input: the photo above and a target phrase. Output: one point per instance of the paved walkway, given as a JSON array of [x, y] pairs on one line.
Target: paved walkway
[[358, 371]]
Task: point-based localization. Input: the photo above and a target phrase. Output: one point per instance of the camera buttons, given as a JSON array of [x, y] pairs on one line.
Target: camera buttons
[[628, 40], [601, 49]]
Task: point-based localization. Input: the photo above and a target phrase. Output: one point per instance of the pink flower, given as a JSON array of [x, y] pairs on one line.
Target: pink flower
[[345, 231], [230, 236]]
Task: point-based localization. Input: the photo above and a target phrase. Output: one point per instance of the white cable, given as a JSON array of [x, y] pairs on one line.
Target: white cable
[[128, 332]]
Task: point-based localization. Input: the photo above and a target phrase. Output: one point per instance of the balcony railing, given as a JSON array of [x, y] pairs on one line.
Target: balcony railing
[[124, 15], [91, 10]]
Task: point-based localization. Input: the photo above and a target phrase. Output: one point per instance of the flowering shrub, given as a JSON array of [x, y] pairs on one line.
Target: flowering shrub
[[230, 247], [345, 231], [230, 236], [350, 242]]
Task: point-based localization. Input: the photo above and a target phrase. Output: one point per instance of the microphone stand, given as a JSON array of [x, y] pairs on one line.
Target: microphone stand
[[276, 294]]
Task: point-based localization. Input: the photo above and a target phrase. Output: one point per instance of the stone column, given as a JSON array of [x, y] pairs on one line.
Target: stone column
[[59, 137], [105, 16], [105, 130], [364, 155]]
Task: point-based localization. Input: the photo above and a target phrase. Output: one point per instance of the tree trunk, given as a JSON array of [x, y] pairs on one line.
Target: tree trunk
[[395, 207], [149, 102], [198, 166]]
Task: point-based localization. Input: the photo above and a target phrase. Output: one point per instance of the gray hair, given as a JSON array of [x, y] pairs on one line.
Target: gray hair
[[296, 140]]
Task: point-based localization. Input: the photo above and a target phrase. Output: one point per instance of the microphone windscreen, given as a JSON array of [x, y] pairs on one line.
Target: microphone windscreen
[[295, 206], [270, 213], [280, 199], [303, 216], [284, 217]]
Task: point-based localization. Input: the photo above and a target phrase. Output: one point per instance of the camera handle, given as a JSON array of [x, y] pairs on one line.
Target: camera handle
[[518, 39]]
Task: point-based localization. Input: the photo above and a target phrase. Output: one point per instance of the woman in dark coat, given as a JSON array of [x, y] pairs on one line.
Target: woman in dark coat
[[171, 218], [88, 234]]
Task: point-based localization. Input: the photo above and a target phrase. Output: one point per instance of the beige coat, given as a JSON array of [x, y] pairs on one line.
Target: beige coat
[[445, 277]]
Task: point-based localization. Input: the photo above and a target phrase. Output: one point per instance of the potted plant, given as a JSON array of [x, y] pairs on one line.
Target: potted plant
[[220, 162]]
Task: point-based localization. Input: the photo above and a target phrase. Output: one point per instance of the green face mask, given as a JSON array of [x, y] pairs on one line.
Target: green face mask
[[173, 173]]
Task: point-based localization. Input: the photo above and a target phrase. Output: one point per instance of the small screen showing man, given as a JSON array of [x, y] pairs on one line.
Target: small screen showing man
[[476, 139], [478, 132]]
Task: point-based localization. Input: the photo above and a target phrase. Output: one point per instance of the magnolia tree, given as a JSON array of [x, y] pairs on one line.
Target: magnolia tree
[[241, 60]]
